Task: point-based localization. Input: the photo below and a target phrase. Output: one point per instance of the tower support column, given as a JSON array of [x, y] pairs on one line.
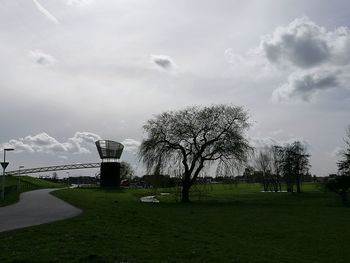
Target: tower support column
[[110, 174]]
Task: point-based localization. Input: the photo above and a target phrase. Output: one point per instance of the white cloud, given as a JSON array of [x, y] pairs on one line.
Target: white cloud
[[43, 142], [164, 62], [86, 137], [79, 3], [131, 145], [45, 12], [41, 58]]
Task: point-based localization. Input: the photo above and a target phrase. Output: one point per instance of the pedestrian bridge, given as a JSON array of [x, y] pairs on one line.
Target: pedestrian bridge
[[54, 168]]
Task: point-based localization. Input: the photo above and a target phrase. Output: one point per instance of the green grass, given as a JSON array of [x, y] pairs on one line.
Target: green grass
[[25, 184], [233, 224]]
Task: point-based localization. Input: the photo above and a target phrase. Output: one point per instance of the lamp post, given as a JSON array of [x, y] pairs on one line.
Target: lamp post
[[4, 165], [67, 179], [19, 178]]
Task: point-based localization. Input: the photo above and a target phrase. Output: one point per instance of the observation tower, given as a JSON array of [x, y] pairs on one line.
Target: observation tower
[[110, 152]]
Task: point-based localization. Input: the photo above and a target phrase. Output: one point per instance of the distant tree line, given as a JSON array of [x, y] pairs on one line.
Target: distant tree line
[[187, 142]]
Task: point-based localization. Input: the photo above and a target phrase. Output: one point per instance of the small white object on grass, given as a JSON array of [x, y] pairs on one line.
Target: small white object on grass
[[149, 199]]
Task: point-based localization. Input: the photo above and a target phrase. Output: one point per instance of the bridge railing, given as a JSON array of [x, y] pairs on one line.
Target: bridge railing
[[53, 168]]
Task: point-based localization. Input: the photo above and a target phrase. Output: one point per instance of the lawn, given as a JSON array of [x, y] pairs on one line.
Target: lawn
[[231, 224]]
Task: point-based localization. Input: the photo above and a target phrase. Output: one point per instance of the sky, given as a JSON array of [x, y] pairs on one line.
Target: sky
[[75, 71]]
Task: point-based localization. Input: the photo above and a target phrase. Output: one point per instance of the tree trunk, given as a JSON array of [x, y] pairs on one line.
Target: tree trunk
[[185, 194], [298, 187], [186, 185], [298, 183]]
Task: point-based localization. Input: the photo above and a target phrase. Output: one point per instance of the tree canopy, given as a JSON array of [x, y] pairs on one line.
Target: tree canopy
[[268, 161], [294, 162], [188, 140], [340, 185], [126, 171]]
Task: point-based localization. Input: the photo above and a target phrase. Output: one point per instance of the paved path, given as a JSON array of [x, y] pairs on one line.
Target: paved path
[[35, 208]]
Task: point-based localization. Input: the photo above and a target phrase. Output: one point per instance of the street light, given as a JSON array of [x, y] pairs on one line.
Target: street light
[[67, 179], [4, 165], [19, 178]]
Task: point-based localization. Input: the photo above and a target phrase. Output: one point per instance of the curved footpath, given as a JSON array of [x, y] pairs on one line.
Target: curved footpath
[[35, 208]]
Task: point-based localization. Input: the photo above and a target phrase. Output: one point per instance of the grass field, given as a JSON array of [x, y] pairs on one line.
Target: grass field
[[22, 184], [233, 224]]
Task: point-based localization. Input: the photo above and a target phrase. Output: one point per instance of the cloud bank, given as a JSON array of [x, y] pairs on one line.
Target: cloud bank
[[78, 144], [43, 142]]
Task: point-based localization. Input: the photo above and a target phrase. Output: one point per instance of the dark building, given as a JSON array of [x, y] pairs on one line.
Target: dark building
[[110, 152]]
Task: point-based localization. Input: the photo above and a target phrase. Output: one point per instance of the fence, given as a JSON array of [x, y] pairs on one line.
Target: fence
[[13, 186]]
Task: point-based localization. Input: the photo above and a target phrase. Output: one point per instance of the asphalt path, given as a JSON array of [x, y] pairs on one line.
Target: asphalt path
[[35, 208]]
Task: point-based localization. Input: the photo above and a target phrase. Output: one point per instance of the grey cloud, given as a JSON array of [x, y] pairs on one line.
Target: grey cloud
[[45, 12], [43, 142], [320, 59], [163, 61], [302, 85], [302, 43], [41, 58]]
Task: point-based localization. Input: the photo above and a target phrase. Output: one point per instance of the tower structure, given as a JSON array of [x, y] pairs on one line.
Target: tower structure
[[110, 152]]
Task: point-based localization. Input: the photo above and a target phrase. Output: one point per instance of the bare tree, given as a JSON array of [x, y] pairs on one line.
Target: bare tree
[[263, 164], [344, 164], [193, 138], [276, 167], [268, 162]]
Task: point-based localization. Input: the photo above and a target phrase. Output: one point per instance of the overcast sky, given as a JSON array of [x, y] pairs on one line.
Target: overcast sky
[[74, 71]]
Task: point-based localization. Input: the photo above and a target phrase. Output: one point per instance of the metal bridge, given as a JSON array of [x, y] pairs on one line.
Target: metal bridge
[[54, 168]]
